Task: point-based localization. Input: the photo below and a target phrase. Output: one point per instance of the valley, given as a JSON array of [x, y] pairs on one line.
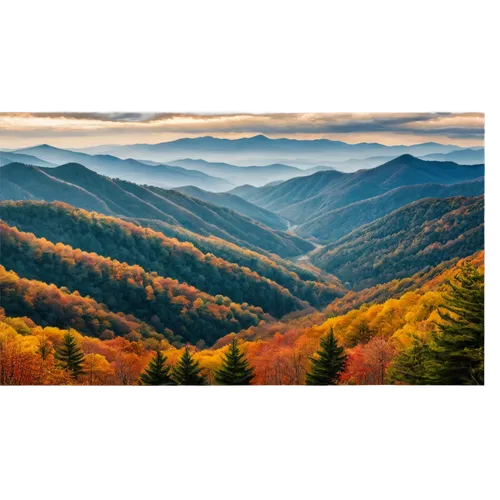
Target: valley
[[138, 249]]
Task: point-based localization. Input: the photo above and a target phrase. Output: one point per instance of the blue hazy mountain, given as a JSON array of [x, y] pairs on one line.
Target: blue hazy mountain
[[131, 170], [261, 150], [253, 175], [237, 204], [8, 157], [332, 225], [81, 187], [464, 156], [302, 199]]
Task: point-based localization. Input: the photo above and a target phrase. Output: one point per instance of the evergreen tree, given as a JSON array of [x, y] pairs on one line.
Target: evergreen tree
[[187, 370], [327, 363], [69, 355], [235, 369], [410, 365], [157, 372], [457, 349], [45, 347]]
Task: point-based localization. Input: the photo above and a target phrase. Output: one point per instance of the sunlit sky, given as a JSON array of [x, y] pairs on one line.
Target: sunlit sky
[[79, 130]]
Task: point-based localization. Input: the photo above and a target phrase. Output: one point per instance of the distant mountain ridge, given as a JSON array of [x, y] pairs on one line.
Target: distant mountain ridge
[[263, 150], [237, 204], [130, 169]]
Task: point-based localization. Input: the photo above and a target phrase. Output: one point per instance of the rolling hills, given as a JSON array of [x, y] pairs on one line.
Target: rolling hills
[[303, 199], [254, 175], [128, 169], [84, 188], [339, 222], [423, 233], [237, 204], [153, 251], [128, 289], [8, 157], [49, 305]]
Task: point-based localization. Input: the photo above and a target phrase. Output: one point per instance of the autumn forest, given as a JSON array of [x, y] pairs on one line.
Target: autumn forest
[[251, 261]]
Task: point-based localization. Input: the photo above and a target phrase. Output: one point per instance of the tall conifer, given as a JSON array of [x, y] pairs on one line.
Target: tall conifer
[[69, 355], [327, 363], [187, 370], [157, 372], [235, 369]]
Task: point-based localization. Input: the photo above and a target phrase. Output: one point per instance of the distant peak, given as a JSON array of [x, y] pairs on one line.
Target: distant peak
[[259, 137], [405, 158], [75, 167]]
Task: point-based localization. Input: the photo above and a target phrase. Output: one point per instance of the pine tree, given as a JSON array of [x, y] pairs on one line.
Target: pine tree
[[187, 370], [157, 372], [235, 369], [457, 348], [69, 355], [327, 363], [410, 365]]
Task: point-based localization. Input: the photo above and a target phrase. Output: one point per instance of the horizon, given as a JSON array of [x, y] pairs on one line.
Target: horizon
[[85, 130], [110, 145]]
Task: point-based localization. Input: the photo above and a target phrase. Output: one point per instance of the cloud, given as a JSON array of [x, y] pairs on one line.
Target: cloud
[[156, 126]]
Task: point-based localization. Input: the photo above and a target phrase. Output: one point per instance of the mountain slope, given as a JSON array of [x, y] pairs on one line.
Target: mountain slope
[[7, 157], [237, 204], [315, 287], [53, 306], [305, 198], [254, 175], [405, 241], [337, 223], [153, 251], [161, 301], [131, 170], [81, 187], [463, 156]]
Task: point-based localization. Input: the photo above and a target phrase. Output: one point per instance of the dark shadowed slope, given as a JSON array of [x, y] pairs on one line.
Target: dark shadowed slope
[[237, 204], [335, 224], [405, 241], [77, 185]]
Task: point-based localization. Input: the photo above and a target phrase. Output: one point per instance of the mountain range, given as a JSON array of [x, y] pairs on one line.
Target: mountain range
[[237, 204], [254, 175], [305, 199], [261, 150], [423, 233], [75, 184], [128, 169]]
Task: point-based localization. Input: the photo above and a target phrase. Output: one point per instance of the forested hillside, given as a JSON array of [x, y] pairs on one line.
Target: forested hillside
[[404, 242], [192, 314], [126, 169], [49, 305], [337, 223], [301, 200], [303, 282], [81, 187], [237, 204], [153, 251]]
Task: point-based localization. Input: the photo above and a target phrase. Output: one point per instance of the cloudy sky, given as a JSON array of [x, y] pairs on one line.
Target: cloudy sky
[[91, 129]]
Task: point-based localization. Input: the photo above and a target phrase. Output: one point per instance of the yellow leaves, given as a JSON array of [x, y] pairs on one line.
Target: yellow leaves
[[150, 294]]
